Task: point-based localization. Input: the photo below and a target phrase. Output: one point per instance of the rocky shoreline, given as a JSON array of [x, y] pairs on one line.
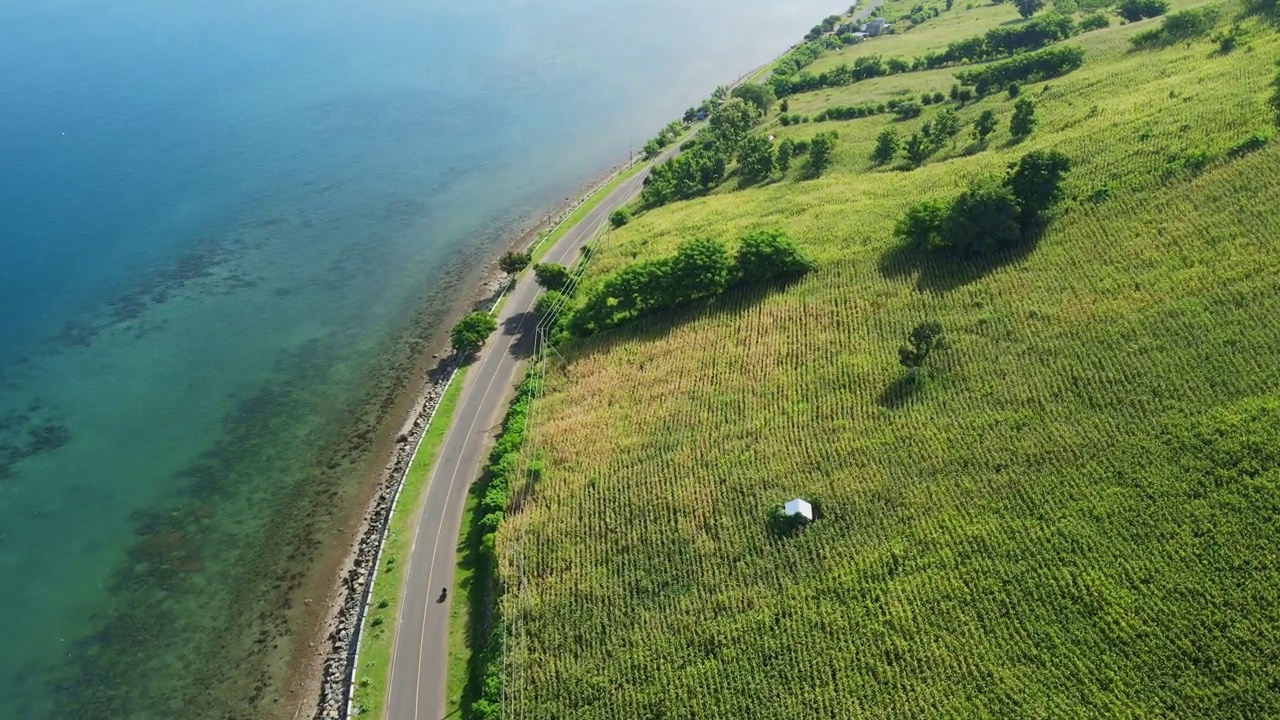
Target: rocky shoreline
[[341, 638]]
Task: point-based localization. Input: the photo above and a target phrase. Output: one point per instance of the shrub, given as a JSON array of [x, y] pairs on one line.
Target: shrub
[[1135, 10], [620, 217], [1178, 27], [469, 333], [1014, 90], [909, 110], [1095, 21], [887, 145], [921, 342], [1024, 118], [513, 262], [768, 256], [551, 276]]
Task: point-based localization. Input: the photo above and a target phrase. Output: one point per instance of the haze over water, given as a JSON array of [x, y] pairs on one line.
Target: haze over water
[[226, 228]]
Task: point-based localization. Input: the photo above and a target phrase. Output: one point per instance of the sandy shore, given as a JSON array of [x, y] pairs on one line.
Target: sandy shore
[[321, 676]]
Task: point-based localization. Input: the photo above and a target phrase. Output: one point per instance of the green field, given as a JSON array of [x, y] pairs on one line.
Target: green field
[[1077, 515]]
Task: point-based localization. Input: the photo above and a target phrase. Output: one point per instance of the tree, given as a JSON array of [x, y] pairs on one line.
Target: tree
[[469, 333], [820, 150], [620, 217], [946, 126], [1014, 90], [761, 96], [921, 342], [547, 303], [551, 276], [917, 150], [920, 228], [1027, 8], [984, 219], [690, 115], [755, 157], [651, 149], [699, 270], [1036, 182], [887, 145], [513, 262], [769, 255], [1024, 118], [731, 122], [984, 126], [786, 151], [1135, 10]]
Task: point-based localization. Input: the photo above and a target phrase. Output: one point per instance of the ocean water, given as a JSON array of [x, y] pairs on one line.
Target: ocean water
[[227, 231]]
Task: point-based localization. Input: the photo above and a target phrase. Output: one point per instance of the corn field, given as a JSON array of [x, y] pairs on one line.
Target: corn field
[[1077, 515]]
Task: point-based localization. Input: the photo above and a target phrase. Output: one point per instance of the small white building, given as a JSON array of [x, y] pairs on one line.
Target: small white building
[[799, 507], [877, 27]]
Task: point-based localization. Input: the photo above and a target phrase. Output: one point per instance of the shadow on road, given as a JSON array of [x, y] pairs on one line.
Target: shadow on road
[[521, 327]]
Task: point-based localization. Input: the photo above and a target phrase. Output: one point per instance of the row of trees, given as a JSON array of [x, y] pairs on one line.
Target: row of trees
[[665, 137], [699, 270], [1030, 67], [863, 68], [1005, 40], [704, 165], [1179, 27], [993, 214]]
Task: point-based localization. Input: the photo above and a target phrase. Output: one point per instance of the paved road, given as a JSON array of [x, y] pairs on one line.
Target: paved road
[[417, 685]]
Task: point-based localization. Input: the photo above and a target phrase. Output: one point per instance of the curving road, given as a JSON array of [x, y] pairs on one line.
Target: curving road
[[417, 686]]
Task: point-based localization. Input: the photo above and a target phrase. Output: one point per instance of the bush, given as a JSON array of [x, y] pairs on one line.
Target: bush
[[1030, 67], [551, 277], [1095, 21], [620, 217], [909, 110], [984, 126], [786, 151], [769, 256], [982, 220], [1135, 10], [1178, 27], [513, 262], [469, 333], [1024, 118], [921, 342], [1027, 8]]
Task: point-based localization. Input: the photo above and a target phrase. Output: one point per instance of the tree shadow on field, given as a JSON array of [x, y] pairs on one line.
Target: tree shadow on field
[[898, 393], [939, 271]]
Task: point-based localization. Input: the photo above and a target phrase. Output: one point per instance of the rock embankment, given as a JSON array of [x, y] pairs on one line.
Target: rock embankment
[[355, 586]]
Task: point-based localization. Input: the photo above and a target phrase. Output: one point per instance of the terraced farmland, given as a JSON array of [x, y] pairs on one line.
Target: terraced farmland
[[1078, 515]]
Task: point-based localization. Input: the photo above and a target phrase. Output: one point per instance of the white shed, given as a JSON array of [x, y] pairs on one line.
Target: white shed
[[799, 507]]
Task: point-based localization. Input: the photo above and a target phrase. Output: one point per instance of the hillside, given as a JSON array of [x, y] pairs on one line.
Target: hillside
[[1077, 512]]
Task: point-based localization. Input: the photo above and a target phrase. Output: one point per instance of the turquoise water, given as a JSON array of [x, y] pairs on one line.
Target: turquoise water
[[228, 230]]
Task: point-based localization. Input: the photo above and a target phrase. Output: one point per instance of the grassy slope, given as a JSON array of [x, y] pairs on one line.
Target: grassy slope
[[369, 695], [1056, 527]]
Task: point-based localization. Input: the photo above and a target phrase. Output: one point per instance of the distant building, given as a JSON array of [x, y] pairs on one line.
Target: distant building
[[877, 27], [799, 507]]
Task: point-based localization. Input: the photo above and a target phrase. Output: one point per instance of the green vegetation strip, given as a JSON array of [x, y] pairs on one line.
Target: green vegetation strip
[[548, 242], [370, 691]]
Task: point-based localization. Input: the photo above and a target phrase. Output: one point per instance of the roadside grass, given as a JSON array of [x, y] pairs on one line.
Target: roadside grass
[[547, 242], [369, 695], [1075, 515]]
